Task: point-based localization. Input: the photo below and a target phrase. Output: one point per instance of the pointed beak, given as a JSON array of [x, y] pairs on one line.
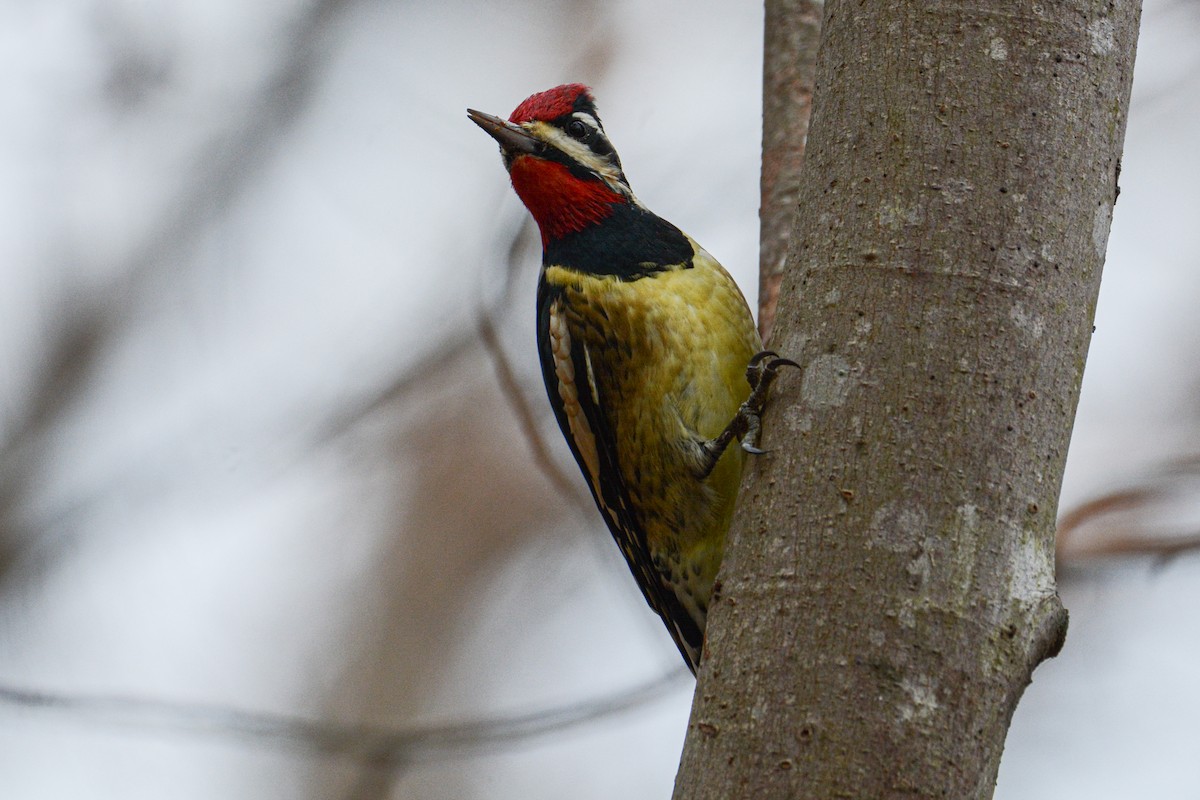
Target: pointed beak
[[512, 138]]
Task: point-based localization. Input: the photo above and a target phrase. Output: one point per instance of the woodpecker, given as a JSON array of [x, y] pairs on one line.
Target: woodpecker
[[648, 351]]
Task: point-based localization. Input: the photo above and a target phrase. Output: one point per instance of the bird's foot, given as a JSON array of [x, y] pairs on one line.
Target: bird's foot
[[746, 424], [760, 373]]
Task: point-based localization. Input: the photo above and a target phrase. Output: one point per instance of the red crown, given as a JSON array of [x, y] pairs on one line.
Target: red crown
[[552, 103]]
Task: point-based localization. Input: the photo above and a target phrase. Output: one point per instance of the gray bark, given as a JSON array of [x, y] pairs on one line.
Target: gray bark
[[888, 587], [792, 32]]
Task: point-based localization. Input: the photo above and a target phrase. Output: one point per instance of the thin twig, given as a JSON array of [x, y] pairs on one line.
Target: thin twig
[[375, 745]]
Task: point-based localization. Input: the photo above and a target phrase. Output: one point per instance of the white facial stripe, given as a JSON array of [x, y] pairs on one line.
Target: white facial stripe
[[583, 116], [580, 152], [572, 147]]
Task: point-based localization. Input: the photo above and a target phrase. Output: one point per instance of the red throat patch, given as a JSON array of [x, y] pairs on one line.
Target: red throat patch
[[550, 104], [560, 202]]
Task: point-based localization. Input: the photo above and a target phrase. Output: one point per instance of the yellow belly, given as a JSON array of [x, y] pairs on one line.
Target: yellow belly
[[668, 356]]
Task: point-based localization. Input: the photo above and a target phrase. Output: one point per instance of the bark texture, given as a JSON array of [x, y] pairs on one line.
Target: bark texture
[[791, 34], [889, 584]]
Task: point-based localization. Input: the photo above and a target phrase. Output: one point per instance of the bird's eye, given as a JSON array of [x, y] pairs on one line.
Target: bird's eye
[[577, 129]]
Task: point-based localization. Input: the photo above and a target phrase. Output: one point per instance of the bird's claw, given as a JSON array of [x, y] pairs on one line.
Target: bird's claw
[[761, 372], [765, 364]]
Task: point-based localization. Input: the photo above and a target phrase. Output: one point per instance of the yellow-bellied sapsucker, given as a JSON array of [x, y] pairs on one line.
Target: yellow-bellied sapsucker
[[648, 350]]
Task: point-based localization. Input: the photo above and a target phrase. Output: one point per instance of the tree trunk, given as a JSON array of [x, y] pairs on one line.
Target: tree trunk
[[888, 587]]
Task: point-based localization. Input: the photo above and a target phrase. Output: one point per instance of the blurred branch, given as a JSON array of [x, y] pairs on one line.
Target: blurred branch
[[1140, 519], [510, 386], [93, 320], [511, 389], [64, 373], [380, 747], [415, 378], [792, 31]]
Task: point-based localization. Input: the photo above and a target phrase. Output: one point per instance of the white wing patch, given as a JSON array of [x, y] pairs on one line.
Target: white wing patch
[[564, 371], [591, 376]]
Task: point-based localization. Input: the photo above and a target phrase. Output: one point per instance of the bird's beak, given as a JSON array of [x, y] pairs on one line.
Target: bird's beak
[[512, 138]]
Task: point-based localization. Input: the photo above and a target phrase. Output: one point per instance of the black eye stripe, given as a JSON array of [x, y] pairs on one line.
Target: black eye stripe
[[567, 121], [600, 146], [583, 132]]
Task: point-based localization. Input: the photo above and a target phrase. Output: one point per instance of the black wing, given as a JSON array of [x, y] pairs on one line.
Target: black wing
[[592, 440]]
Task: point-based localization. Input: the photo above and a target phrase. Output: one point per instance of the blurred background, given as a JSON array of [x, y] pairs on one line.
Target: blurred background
[[283, 513]]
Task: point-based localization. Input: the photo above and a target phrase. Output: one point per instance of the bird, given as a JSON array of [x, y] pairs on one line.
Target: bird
[[649, 354]]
